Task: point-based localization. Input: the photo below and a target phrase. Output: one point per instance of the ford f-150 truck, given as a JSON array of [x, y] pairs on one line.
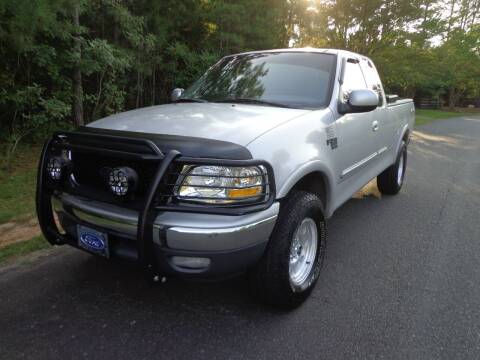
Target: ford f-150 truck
[[237, 175]]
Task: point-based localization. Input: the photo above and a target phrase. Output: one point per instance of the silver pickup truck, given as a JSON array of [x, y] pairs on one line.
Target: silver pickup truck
[[237, 175]]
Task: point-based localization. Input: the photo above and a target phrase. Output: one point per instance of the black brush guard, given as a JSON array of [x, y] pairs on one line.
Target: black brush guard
[[142, 149]]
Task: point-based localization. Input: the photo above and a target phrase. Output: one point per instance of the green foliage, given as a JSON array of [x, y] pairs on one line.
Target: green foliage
[[17, 187], [424, 116], [17, 193], [133, 53], [460, 63], [22, 248], [419, 51]]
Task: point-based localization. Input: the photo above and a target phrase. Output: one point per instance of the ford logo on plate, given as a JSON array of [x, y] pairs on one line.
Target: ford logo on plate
[[92, 241]]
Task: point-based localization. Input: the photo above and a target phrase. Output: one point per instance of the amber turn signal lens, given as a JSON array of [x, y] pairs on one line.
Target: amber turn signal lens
[[246, 192]]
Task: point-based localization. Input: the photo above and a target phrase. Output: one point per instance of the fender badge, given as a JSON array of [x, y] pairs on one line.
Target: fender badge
[[333, 143]]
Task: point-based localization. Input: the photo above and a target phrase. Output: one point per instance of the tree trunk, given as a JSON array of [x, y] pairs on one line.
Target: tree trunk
[[451, 98], [476, 7], [137, 100], [139, 79], [289, 25], [424, 23], [77, 73], [450, 18], [154, 84]]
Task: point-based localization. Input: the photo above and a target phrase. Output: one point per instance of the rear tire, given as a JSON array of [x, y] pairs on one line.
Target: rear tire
[[391, 180], [291, 264]]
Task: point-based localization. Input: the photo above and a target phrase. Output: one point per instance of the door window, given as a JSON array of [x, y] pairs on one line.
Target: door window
[[372, 79], [353, 79]]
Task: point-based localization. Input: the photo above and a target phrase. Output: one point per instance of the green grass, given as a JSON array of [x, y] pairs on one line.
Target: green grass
[[424, 116], [17, 186], [18, 249]]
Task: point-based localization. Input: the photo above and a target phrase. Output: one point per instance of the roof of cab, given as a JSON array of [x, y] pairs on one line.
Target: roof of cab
[[345, 53]]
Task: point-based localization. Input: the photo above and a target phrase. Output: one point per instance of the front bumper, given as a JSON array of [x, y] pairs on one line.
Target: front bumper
[[231, 244]]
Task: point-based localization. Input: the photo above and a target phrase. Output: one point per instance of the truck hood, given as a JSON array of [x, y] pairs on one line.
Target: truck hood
[[236, 123]]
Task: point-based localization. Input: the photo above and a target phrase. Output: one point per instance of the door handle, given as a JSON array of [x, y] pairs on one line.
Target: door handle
[[375, 126]]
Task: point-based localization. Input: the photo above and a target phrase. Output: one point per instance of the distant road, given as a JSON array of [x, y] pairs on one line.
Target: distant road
[[401, 281]]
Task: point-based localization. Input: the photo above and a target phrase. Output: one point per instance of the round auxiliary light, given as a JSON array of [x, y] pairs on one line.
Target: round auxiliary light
[[57, 167], [122, 180]]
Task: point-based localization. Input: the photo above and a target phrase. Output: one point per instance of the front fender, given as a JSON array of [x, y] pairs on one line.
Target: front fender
[[307, 169], [296, 149]]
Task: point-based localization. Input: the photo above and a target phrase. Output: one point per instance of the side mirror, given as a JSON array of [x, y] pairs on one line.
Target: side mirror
[[363, 100], [176, 94]]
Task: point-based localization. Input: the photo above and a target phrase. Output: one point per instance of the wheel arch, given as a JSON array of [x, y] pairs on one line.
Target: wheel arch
[[312, 178], [404, 137]]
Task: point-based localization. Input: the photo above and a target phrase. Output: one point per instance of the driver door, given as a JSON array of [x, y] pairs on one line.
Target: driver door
[[357, 146]]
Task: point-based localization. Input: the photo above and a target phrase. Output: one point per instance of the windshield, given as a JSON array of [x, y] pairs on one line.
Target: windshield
[[290, 79]]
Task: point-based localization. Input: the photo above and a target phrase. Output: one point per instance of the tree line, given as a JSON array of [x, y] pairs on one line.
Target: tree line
[[68, 62]]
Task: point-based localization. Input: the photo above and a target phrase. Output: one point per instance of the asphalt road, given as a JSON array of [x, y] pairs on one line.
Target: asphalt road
[[401, 281]]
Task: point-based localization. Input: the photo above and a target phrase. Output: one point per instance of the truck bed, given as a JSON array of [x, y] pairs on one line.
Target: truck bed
[[399, 102]]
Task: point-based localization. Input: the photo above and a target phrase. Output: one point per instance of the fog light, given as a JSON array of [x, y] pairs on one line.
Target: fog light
[[194, 263], [122, 180], [57, 167]]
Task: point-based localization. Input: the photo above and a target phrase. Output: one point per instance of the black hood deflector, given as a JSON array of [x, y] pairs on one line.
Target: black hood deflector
[[188, 146]]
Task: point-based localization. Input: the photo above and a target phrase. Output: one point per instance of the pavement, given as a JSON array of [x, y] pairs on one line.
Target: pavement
[[401, 281]]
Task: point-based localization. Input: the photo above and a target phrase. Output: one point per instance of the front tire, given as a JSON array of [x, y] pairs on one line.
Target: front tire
[[289, 269], [391, 180]]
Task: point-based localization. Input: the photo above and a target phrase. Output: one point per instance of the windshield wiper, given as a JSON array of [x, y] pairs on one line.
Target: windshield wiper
[[252, 101], [195, 100]]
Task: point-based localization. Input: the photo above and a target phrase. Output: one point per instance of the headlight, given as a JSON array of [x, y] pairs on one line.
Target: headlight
[[223, 184]]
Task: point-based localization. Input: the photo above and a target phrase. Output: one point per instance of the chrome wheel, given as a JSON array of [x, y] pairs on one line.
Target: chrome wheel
[[400, 170], [303, 251]]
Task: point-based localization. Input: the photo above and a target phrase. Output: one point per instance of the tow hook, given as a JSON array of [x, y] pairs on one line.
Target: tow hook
[[161, 279]]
